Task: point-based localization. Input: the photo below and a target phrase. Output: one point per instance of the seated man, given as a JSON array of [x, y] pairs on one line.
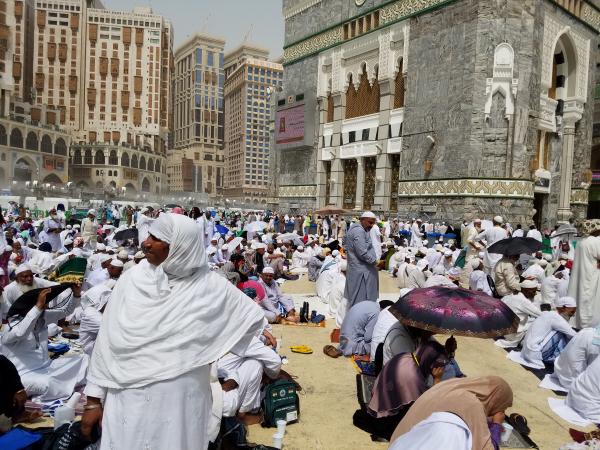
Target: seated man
[[385, 321], [300, 260], [314, 265], [478, 278], [277, 306], [439, 278], [242, 371], [579, 353], [357, 331], [25, 340], [523, 306], [584, 394], [549, 333]]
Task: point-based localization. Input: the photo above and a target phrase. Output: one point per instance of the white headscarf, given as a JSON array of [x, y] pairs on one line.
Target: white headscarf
[[165, 321]]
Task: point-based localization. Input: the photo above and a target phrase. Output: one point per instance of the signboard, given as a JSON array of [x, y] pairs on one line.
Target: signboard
[[290, 125]]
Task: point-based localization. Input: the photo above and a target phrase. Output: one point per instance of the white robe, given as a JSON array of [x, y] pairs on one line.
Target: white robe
[[527, 312], [478, 282], [579, 353], [552, 289], [416, 237], [584, 283], [143, 227], [542, 328], [491, 236], [385, 320], [584, 394], [441, 430]]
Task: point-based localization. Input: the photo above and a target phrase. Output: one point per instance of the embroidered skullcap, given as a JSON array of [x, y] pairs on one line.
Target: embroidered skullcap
[[368, 215], [529, 284], [566, 302], [22, 268], [116, 263], [268, 269]]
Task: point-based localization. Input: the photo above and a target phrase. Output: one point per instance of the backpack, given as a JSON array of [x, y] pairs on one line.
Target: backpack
[[281, 402]]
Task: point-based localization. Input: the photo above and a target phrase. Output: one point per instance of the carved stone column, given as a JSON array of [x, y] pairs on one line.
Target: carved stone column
[[360, 183], [573, 110]]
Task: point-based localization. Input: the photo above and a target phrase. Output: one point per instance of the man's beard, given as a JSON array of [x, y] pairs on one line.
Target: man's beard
[[25, 287]]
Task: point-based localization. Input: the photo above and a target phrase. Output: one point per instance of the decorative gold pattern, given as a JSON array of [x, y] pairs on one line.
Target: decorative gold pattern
[[395, 162], [591, 16], [579, 196], [467, 188], [388, 14], [350, 172], [307, 191], [369, 192]]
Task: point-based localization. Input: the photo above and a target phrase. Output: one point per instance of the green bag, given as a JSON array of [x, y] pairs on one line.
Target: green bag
[[462, 258], [281, 402]]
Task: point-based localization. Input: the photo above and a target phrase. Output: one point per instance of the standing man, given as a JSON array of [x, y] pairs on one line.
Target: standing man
[[416, 236], [52, 228], [584, 283], [491, 236], [362, 281], [89, 230]]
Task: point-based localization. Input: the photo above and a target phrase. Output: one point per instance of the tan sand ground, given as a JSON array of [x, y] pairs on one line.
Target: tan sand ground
[[329, 398]]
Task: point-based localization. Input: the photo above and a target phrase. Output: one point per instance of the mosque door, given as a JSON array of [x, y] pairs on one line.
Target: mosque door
[[350, 167], [369, 195], [327, 167], [538, 205], [395, 179]]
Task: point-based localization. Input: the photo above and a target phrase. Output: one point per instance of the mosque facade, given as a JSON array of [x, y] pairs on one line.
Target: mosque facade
[[442, 109]]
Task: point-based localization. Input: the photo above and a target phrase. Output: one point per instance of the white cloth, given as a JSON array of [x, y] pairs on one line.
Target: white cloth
[[535, 272], [376, 240], [515, 356], [385, 321], [300, 259], [41, 263], [441, 430], [579, 353], [584, 283], [535, 234], [584, 394], [180, 294], [552, 383], [439, 280], [143, 227], [491, 236], [415, 235], [527, 312], [542, 328], [478, 282], [565, 412], [552, 289]]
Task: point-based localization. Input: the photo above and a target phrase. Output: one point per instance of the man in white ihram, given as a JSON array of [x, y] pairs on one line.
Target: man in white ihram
[[168, 320]]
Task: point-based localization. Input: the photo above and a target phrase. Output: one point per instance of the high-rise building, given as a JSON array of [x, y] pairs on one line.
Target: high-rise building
[[250, 79], [195, 164], [109, 73], [33, 148]]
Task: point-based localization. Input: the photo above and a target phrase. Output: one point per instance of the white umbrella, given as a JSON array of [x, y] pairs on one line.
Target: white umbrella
[[254, 227]]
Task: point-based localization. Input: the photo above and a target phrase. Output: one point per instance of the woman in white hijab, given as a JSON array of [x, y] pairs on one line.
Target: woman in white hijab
[[168, 320]]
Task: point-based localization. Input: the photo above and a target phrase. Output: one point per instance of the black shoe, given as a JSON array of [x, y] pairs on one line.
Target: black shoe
[[313, 314], [303, 313]]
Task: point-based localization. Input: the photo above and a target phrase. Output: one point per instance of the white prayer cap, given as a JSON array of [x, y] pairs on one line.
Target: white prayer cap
[[108, 227], [69, 227], [423, 250], [454, 272], [123, 254], [419, 220], [425, 242], [214, 238], [529, 284], [548, 258], [22, 268], [76, 226], [104, 258], [422, 264], [139, 255], [8, 248], [439, 248], [268, 269], [116, 263], [300, 247], [92, 212], [438, 270], [335, 253], [475, 263], [343, 265], [259, 245], [68, 241], [543, 262], [144, 210], [481, 255], [566, 302], [498, 219], [448, 253], [100, 247], [477, 221], [225, 247], [368, 215]]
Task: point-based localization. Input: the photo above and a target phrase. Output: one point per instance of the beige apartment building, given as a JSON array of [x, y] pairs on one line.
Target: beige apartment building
[[109, 74], [195, 164], [250, 81]]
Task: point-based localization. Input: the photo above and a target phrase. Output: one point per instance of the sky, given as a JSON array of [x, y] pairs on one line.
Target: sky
[[262, 20]]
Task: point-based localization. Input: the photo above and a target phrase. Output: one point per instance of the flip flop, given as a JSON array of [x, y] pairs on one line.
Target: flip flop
[[304, 349], [520, 423], [331, 351]]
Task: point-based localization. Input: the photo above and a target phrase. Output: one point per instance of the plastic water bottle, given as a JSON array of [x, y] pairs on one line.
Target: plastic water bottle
[[66, 413]]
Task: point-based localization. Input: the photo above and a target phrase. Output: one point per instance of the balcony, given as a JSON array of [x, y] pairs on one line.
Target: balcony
[[359, 149]]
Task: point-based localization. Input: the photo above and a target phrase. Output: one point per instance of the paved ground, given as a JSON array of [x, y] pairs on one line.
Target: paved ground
[[329, 398]]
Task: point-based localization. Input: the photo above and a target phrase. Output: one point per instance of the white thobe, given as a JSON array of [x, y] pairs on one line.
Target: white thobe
[[540, 331], [552, 289], [53, 238], [579, 353], [89, 327], [527, 312], [584, 283], [300, 259], [518, 233], [96, 277], [491, 236], [245, 365], [439, 280], [536, 272], [535, 234], [416, 237], [385, 320], [584, 394], [478, 282], [416, 279]]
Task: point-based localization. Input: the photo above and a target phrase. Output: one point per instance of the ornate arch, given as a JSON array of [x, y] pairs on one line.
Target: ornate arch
[[46, 146], [31, 142]]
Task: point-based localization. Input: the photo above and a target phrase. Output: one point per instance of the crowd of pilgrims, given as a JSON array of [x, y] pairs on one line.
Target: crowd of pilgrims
[[218, 274]]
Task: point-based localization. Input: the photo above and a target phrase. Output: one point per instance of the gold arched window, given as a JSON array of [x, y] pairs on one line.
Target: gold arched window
[[364, 100], [399, 87]]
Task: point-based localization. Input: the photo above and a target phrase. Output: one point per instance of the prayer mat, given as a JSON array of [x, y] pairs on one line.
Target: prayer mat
[[308, 325], [70, 271], [517, 440], [363, 367]]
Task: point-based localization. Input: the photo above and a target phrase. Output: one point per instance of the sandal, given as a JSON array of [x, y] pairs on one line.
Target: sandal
[[519, 422], [331, 351], [303, 349], [580, 436]]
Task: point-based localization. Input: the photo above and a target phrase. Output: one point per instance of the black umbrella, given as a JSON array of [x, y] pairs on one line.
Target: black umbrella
[[25, 302], [129, 233], [516, 246]]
